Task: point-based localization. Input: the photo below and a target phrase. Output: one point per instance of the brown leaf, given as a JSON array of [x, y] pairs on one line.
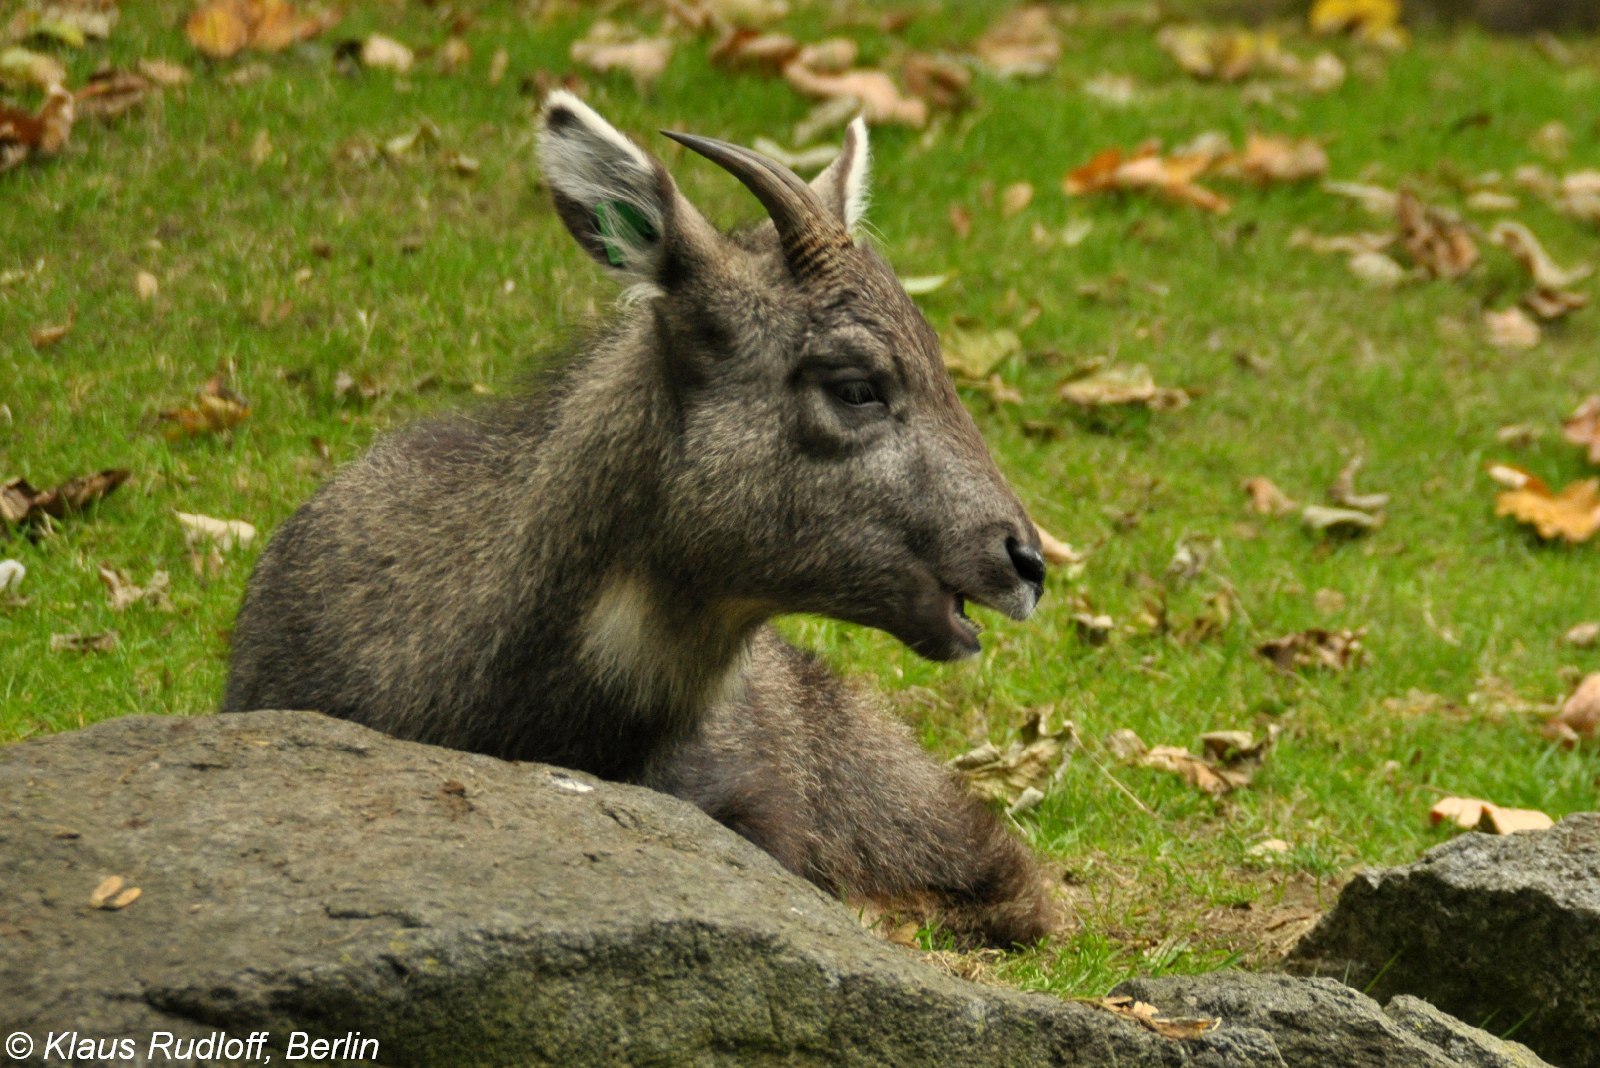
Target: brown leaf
[[945, 84], [1315, 648], [1032, 761], [1550, 304], [1518, 240], [224, 28], [1146, 171], [1511, 329], [1149, 1017], [83, 643], [45, 133], [609, 46], [1583, 635], [1582, 427], [971, 353], [1497, 820], [124, 593], [1343, 491], [379, 52], [1462, 811], [1022, 43], [223, 534], [1267, 499], [1579, 718], [216, 408], [220, 29], [1015, 198], [1196, 771], [45, 336], [1057, 552], [1276, 159], [743, 49], [110, 94], [23, 67], [146, 285], [21, 503], [874, 92], [1573, 514], [164, 72], [1437, 241], [1123, 385]]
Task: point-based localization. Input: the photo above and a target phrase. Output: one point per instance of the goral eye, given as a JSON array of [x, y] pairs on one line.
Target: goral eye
[[856, 392]]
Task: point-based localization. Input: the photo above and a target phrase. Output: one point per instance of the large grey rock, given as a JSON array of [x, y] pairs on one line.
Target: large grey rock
[[303, 874], [1492, 929], [1464, 1044]]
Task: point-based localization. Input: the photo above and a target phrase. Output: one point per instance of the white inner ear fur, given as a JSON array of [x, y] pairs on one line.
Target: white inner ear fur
[[589, 161], [856, 192]]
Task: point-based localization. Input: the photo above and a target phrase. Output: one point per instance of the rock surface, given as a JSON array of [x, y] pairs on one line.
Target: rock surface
[[303, 874], [1467, 1046], [1490, 929]]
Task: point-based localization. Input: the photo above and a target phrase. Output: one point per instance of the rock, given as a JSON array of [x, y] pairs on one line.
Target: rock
[[1467, 1046], [1488, 928], [305, 879], [1319, 1021], [301, 873]]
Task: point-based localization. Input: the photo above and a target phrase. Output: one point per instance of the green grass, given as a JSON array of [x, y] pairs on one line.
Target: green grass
[[291, 264]]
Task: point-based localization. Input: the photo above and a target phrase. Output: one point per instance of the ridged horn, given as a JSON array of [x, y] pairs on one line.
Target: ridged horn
[[811, 235]]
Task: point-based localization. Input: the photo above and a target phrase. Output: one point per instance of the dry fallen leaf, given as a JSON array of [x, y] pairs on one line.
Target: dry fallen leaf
[[44, 133], [1123, 385], [84, 643], [21, 503], [1266, 159], [1147, 171], [112, 894], [1196, 771], [44, 336], [873, 92], [1316, 648], [746, 49], [1056, 552], [1150, 1018], [224, 28], [1473, 813], [1581, 635], [1437, 241], [1373, 198], [1267, 499], [945, 84], [1370, 20], [1033, 761], [146, 285], [1343, 491], [1015, 198], [223, 534], [1211, 53], [110, 94], [1518, 240], [972, 353], [1510, 329], [1579, 718], [1376, 269], [164, 72], [385, 53], [1582, 427], [28, 69], [12, 572], [1022, 43], [610, 46], [124, 593], [1573, 514], [216, 408]]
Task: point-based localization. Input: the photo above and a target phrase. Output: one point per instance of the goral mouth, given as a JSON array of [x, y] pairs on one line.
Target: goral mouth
[[963, 628]]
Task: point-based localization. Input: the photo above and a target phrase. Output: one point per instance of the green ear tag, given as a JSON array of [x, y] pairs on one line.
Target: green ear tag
[[618, 220]]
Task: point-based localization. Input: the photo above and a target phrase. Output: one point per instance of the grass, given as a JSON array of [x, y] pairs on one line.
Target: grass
[[287, 254]]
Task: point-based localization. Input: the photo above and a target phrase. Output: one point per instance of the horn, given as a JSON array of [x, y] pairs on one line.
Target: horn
[[812, 236]]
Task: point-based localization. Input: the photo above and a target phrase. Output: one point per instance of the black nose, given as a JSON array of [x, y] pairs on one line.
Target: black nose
[[1028, 562]]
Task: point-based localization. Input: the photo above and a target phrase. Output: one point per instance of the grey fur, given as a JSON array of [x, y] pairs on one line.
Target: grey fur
[[583, 576]]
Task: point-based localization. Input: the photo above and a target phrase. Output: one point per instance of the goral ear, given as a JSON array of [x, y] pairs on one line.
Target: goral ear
[[843, 185], [618, 200]]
